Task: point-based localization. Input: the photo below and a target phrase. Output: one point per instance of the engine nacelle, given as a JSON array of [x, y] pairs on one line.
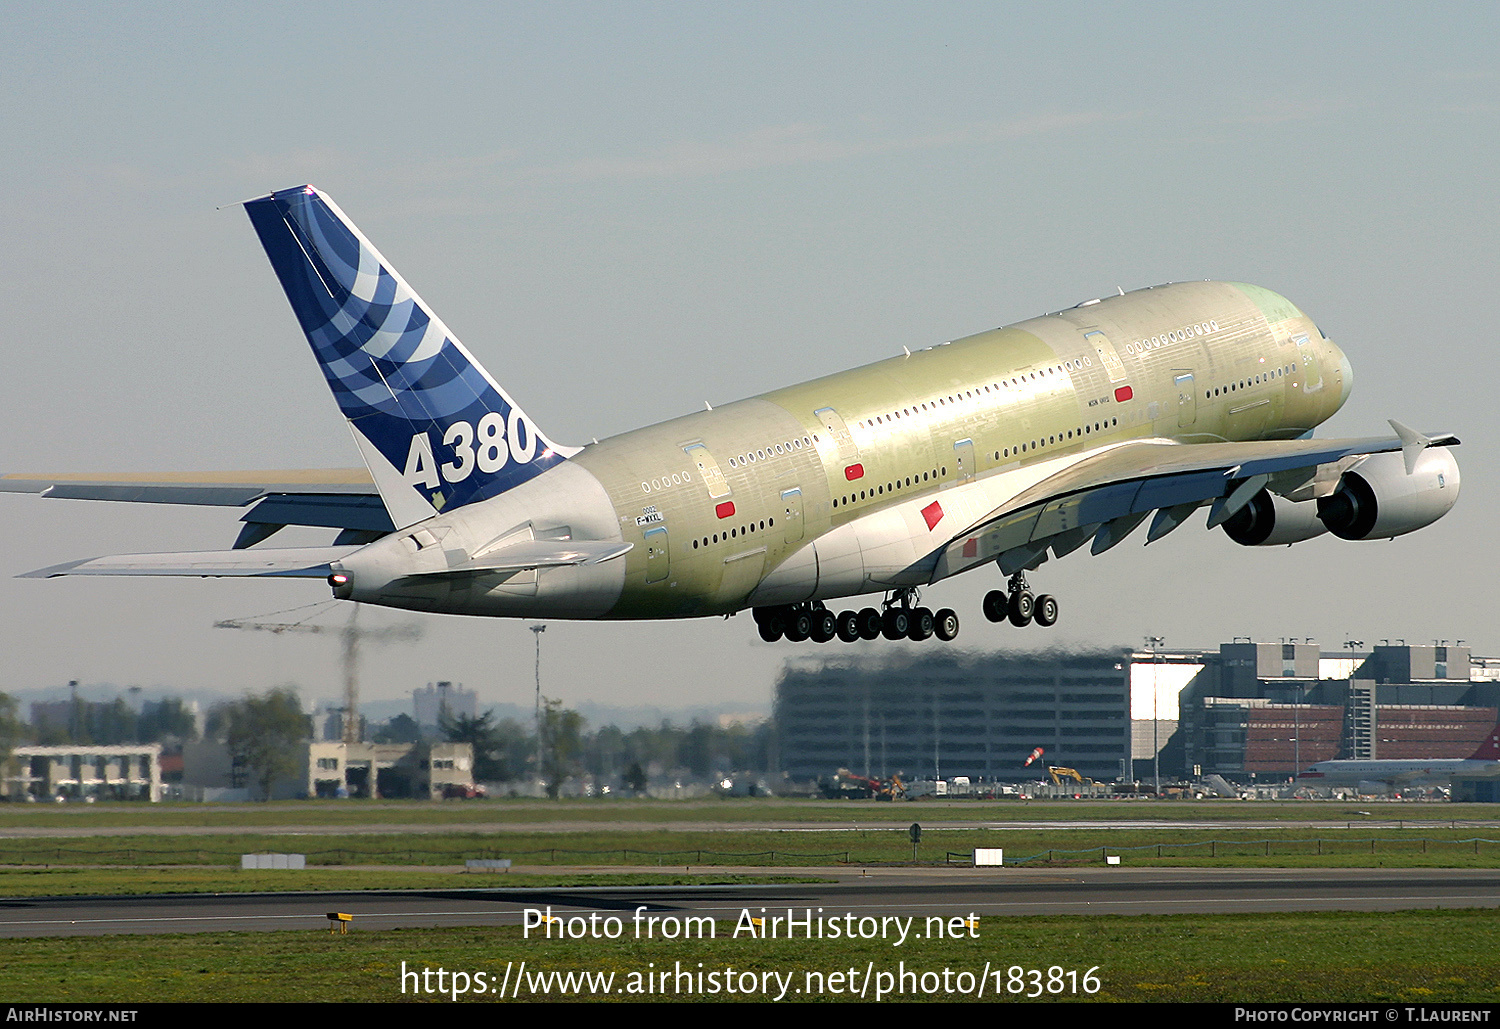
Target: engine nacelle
[[1273, 521], [1376, 499]]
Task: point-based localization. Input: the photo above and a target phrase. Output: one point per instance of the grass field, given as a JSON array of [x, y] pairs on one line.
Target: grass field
[[1408, 957], [96, 882], [125, 848], [1359, 846]]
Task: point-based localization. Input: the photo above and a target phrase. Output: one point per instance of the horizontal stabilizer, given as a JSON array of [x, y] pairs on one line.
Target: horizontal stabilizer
[[297, 563], [208, 489], [335, 498]]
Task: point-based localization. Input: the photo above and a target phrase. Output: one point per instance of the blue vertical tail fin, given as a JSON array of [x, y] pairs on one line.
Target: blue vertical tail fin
[[434, 429]]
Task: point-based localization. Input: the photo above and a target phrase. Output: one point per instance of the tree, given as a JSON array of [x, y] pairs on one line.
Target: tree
[[514, 748], [562, 743], [479, 734], [111, 724], [635, 777], [12, 730], [403, 728], [264, 734], [168, 721]]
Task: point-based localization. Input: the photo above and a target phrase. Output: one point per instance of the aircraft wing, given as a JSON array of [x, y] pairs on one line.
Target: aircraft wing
[[1106, 496], [337, 498]]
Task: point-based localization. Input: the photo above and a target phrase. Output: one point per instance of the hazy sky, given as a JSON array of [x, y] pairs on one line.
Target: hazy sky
[[627, 209]]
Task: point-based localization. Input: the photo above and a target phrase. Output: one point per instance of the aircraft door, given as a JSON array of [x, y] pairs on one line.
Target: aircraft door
[[708, 470], [1107, 354], [791, 512], [658, 554], [838, 432], [1312, 370], [1187, 397], [963, 453]]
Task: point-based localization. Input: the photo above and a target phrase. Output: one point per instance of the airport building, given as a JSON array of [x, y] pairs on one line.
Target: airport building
[[85, 772], [1269, 710], [326, 769], [951, 713], [1245, 711]]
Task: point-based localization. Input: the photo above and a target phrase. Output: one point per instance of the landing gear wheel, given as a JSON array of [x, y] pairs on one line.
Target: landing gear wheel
[[870, 624], [1046, 610], [1022, 605], [897, 624], [921, 627], [945, 625], [799, 626], [848, 626], [770, 629], [824, 626], [996, 605]]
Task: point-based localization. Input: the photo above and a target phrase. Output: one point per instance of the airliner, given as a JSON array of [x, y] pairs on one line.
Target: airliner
[[1002, 449], [1484, 763]]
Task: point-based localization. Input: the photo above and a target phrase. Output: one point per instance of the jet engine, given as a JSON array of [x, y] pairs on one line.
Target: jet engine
[[1377, 499], [1272, 521]]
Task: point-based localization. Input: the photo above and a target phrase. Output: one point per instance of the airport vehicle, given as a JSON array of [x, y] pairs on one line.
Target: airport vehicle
[[1060, 775], [1484, 763], [845, 784], [1001, 449]]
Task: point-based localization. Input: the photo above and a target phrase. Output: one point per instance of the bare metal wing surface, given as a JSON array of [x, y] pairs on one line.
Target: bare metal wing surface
[[1106, 496]]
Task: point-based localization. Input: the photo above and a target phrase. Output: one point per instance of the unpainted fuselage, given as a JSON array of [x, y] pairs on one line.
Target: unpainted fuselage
[[853, 483]]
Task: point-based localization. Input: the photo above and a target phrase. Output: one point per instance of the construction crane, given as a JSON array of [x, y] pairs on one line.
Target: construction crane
[[352, 635]]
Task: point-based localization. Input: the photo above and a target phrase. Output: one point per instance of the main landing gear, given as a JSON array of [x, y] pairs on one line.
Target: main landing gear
[[1019, 606], [898, 621]]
